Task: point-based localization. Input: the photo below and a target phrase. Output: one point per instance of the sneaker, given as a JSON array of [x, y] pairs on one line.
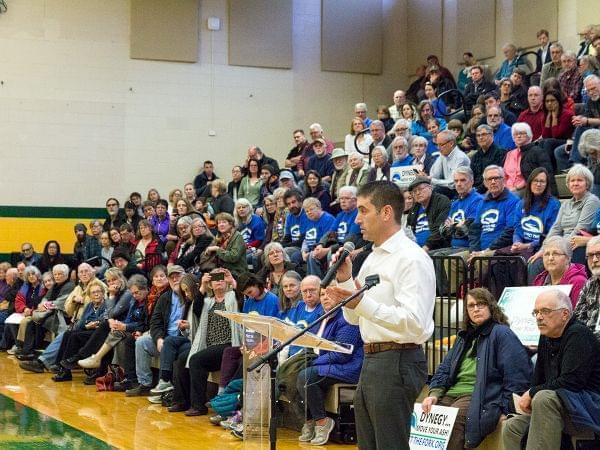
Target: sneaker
[[216, 419], [322, 432], [162, 386], [232, 421], [90, 363], [156, 399], [238, 431], [13, 350], [308, 432], [138, 390], [34, 366]]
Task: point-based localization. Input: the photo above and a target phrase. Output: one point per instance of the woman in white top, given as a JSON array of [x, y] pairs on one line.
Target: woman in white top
[[364, 140]]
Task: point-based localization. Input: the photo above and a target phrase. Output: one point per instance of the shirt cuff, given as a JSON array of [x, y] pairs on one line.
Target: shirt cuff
[[366, 307]]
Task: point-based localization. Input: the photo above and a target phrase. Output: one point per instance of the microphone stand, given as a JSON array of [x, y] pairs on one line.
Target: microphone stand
[[271, 357]]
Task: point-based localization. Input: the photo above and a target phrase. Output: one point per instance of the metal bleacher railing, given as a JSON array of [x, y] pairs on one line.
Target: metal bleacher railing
[[454, 278]]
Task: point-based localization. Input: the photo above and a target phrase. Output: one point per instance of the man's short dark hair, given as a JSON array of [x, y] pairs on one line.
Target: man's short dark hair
[[208, 162], [135, 194], [299, 130], [162, 201], [147, 203], [469, 54], [478, 67], [269, 168], [126, 227], [542, 31], [296, 193], [519, 71], [381, 193], [492, 94]]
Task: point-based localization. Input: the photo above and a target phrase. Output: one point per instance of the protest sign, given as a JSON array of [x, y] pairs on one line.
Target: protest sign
[[433, 429], [404, 175], [518, 302]]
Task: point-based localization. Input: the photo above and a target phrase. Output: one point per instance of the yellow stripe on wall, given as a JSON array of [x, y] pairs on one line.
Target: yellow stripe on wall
[[16, 230]]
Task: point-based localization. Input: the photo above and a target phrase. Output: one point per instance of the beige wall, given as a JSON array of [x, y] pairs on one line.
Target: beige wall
[[80, 120]]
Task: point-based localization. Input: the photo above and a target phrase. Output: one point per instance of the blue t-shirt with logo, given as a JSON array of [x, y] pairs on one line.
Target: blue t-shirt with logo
[[532, 226], [315, 229], [295, 226], [422, 230], [495, 215], [253, 230], [463, 209], [345, 225]]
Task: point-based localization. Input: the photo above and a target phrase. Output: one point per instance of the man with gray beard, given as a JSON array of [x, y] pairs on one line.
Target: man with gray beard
[[588, 306]]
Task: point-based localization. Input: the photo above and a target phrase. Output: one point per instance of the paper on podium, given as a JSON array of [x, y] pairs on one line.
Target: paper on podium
[[283, 331]]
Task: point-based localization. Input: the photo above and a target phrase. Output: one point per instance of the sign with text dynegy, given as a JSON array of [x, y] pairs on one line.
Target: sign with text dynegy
[[433, 429]]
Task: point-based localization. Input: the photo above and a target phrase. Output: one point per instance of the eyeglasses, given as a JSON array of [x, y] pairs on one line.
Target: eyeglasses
[[520, 133], [441, 144], [478, 305], [482, 134], [544, 311], [553, 254], [111, 204], [28, 249], [593, 255], [309, 291], [539, 182], [493, 179]]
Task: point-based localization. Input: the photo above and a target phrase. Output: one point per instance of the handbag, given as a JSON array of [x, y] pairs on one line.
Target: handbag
[[107, 382]]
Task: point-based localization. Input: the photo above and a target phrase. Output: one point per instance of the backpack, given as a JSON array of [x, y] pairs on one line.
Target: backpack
[[227, 403]]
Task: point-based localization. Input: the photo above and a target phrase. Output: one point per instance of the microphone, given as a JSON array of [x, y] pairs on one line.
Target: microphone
[[328, 278]]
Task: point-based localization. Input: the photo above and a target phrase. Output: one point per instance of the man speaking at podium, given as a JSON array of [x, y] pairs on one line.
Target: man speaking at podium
[[395, 318]]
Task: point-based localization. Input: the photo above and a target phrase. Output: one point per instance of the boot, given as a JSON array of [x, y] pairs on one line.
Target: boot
[[94, 361]]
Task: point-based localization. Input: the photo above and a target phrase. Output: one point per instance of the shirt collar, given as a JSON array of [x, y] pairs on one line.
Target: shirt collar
[[393, 243]]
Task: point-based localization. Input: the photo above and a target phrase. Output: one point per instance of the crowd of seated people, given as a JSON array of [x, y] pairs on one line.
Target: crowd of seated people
[[147, 282]]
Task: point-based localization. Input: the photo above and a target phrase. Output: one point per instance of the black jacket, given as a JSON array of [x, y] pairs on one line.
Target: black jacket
[[159, 322], [437, 210], [538, 58], [533, 156], [473, 91], [200, 182], [570, 362], [223, 203], [480, 160]]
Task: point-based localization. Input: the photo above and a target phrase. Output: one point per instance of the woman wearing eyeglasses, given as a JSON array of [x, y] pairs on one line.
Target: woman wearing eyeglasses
[[558, 268], [478, 376]]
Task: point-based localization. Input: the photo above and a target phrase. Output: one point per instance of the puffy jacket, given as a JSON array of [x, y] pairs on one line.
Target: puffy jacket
[[503, 367]]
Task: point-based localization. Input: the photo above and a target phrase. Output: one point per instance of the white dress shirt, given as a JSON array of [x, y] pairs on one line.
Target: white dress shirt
[[400, 308], [442, 170]]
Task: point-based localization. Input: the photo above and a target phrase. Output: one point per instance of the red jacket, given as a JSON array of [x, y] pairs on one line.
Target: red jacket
[[575, 275], [564, 129], [150, 261], [534, 120]]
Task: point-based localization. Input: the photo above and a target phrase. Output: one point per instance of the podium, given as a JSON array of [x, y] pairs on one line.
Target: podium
[[260, 334]]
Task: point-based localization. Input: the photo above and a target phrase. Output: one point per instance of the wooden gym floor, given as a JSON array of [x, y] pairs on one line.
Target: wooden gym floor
[[107, 419]]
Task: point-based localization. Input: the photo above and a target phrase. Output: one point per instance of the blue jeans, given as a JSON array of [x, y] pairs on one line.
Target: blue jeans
[[48, 358], [3, 316], [173, 346], [145, 350]]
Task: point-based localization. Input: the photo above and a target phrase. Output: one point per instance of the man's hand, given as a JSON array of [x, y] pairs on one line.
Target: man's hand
[[159, 344], [427, 403], [344, 272], [578, 120], [337, 294], [525, 402], [183, 324], [319, 252]]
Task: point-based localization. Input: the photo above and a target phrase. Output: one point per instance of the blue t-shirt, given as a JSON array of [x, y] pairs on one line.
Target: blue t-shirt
[[295, 227], [253, 230], [176, 313], [300, 317], [315, 229], [531, 227], [503, 137], [407, 161], [495, 215], [345, 225], [267, 306], [422, 230], [463, 209]]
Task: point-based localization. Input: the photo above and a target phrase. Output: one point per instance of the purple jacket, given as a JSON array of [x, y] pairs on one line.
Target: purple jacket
[[339, 365], [161, 228]]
